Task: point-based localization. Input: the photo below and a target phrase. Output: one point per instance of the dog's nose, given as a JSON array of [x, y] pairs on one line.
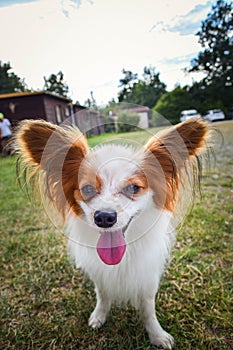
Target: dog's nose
[[105, 219]]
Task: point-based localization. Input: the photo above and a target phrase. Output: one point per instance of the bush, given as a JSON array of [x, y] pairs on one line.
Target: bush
[[172, 103], [156, 119], [127, 121]]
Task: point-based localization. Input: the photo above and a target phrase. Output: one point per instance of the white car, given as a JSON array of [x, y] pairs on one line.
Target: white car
[[214, 114], [189, 113]]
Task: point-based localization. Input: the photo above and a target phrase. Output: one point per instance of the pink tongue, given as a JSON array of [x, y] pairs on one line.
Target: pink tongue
[[111, 247]]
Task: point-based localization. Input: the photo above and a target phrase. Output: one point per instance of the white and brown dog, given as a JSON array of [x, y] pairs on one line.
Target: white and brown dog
[[118, 206]]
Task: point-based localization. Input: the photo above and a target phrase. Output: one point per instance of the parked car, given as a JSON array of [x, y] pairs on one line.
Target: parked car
[[214, 114], [189, 113]]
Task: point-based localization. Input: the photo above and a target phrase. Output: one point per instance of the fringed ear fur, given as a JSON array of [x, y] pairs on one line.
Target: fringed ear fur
[[56, 153], [169, 154]]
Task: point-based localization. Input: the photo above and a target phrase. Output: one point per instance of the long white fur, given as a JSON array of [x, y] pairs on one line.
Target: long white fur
[[149, 239], [58, 155]]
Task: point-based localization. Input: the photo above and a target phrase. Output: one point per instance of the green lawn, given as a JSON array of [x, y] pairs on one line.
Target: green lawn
[[45, 303]]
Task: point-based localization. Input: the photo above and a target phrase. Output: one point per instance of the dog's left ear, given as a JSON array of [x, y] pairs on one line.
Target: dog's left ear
[[168, 154]]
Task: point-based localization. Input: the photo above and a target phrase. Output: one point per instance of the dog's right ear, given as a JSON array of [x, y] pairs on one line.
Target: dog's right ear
[[38, 142], [31, 139], [57, 153]]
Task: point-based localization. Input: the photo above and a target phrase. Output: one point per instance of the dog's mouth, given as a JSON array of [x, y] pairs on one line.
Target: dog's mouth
[[111, 245]]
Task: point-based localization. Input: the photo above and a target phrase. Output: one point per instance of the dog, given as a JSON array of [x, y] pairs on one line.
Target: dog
[[119, 206]]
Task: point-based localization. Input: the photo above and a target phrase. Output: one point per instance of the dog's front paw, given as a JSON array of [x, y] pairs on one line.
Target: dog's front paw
[[97, 319], [162, 339]]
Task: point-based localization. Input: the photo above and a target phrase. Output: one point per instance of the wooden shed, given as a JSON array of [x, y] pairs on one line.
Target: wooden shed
[[50, 107]]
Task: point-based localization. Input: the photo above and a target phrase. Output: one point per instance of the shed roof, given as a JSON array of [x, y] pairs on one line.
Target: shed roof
[[31, 93]]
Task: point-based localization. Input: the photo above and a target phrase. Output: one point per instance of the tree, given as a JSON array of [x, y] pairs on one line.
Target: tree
[[172, 103], [9, 81], [210, 96], [55, 83], [127, 83], [215, 37], [145, 91], [91, 102]]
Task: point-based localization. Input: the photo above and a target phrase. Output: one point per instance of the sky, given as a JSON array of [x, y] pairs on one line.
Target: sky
[[92, 41]]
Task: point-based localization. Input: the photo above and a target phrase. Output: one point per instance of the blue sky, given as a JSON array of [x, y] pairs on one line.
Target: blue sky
[[4, 3], [91, 41]]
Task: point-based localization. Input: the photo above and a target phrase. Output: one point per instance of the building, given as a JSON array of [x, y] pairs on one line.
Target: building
[[143, 113], [50, 107]]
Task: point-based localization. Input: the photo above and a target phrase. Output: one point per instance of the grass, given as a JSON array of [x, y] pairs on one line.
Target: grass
[[45, 303], [136, 138]]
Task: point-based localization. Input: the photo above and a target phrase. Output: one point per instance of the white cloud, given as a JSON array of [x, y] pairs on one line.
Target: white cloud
[[92, 41], [190, 22]]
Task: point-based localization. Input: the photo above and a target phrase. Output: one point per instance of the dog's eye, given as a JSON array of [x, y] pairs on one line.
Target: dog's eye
[[131, 190], [88, 191]]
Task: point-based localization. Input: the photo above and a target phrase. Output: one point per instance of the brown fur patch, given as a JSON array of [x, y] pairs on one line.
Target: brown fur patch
[[56, 154], [169, 155], [31, 139], [87, 176], [139, 180]]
